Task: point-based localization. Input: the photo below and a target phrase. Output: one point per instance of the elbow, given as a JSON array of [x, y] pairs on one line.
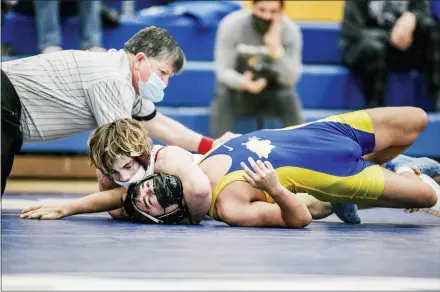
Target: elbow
[[117, 214], [198, 201], [202, 198], [297, 73], [220, 75], [201, 190], [306, 220], [113, 214], [201, 187], [292, 78], [226, 215], [301, 222]]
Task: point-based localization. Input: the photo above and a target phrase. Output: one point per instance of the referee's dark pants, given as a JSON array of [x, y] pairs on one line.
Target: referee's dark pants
[[12, 138]]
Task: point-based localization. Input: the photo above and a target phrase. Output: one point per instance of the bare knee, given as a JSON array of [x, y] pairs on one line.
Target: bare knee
[[428, 198], [412, 120], [431, 200], [418, 118], [398, 126], [417, 122]]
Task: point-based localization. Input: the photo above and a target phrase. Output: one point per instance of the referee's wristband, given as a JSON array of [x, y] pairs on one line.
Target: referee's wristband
[[205, 145]]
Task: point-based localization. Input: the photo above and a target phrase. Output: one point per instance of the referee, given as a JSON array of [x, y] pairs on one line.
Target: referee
[[52, 96]]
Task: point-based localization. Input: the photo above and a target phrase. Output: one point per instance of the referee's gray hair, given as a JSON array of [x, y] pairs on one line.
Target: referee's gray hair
[[156, 43]]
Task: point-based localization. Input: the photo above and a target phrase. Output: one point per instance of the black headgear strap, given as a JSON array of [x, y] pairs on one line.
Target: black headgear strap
[[168, 190]]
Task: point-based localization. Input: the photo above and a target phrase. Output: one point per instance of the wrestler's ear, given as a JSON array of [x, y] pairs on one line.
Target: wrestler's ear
[[144, 159]]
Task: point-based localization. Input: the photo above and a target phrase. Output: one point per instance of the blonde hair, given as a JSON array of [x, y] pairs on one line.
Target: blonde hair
[[123, 137]]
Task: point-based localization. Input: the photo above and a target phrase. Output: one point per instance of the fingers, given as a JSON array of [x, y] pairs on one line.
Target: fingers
[[260, 169], [40, 214], [268, 166], [249, 172], [31, 208], [248, 75], [261, 166], [249, 180], [256, 166], [261, 82], [31, 215]]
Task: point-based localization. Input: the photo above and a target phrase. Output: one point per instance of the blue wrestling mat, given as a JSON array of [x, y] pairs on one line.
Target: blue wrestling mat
[[391, 250]]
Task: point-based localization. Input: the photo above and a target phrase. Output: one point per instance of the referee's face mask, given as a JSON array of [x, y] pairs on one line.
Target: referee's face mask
[[153, 88]]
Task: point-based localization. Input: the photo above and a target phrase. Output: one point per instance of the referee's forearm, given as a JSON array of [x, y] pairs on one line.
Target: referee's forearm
[[171, 132]]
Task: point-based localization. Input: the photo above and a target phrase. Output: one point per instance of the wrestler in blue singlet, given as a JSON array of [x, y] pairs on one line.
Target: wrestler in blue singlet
[[322, 158]]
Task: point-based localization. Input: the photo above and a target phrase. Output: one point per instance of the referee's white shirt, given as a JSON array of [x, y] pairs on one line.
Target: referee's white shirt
[[67, 92]]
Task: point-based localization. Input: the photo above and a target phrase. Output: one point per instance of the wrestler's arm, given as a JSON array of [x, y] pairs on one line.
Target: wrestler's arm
[[288, 211], [196, 186], [97, 202], [106, 184]]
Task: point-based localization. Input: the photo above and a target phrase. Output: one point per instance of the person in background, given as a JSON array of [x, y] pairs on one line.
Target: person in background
[[257, 63], [47, 18], [382, 36]]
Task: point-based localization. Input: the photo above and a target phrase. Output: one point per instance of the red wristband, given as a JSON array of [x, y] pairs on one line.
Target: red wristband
[[205, 145]]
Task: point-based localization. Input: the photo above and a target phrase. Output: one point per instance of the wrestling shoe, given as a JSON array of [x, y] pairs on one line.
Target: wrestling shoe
[[347, 212], [401, 160], [426, 165]]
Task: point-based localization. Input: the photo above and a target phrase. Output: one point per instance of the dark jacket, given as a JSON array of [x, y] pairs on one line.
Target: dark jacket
[[359, 24]]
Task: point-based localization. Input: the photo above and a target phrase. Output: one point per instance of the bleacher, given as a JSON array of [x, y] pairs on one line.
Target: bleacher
[[325, 88]]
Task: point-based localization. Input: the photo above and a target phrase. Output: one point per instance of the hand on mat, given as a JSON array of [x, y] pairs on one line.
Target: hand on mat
[[225, 137], [263, 177], [45, 212]]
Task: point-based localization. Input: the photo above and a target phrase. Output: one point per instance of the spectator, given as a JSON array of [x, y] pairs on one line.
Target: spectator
[[47, 17], [382, 36], [258, 63]]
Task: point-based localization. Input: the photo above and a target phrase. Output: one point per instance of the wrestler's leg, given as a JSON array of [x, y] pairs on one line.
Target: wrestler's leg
[[318, 209], [395, 129], [405, 192]]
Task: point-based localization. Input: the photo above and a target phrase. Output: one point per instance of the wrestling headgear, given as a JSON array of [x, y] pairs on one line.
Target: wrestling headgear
[[168, 190]]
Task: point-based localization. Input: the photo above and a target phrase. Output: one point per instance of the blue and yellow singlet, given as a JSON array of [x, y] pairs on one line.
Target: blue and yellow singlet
[[322, 158]]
